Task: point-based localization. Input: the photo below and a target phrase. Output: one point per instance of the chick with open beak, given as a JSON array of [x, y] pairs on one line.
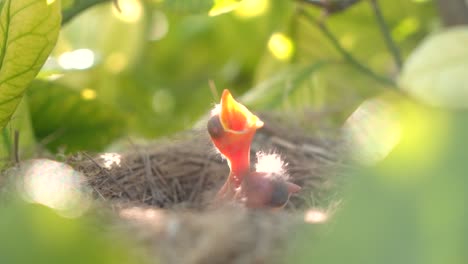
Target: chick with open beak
[[232, 128]]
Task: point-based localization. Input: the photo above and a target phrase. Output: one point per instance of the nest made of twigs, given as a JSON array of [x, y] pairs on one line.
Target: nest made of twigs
[[162, 192]]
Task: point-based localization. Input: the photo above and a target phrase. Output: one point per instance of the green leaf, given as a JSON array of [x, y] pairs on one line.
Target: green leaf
[[76, 120], [28, 32], [33, 233], [436, 72], [186, 6], [273, 92], [410, 208]]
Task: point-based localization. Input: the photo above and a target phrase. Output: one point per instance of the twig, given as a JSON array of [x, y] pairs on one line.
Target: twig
[[109, 175], [391, 45], [346, 55], [331, 6], [16, 147], [79, 6]]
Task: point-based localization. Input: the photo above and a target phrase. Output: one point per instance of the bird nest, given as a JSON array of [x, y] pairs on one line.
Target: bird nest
[[162, 194]]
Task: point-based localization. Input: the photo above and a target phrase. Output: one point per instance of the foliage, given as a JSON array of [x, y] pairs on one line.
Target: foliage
[[33, 233], [435, 72], [29, 29], [408, 208], [141, 69]]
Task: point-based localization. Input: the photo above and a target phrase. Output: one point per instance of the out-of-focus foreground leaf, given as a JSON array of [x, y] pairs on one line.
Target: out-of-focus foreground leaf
[[28, 31], [74, 119], [410, 208], [32, 233], [436, 72]]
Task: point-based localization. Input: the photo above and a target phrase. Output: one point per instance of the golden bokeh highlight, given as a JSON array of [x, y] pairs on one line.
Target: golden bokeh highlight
[[252, 8], [281, 46], [88, 94], [130, 11]]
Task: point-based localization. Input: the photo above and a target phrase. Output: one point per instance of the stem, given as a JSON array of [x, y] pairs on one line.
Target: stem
[[392, 47], [77, 7], [346, 55]]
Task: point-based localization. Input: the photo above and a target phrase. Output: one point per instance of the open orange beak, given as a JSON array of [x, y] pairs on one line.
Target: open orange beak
[[232, 128], [235, 117]]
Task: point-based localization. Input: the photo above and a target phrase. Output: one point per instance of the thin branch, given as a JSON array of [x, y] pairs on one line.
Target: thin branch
[[346, 55], [391, 45], [16, 148], [331, 6], [79, 6]]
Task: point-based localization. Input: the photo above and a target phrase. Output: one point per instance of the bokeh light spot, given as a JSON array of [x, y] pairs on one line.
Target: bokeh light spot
[[373, 130], [315, 216], [252, 8], [159, 26], [130, 10], [281, 46], [111, 159], [116, 62], [88, 94], [54, 184], [79, 59]]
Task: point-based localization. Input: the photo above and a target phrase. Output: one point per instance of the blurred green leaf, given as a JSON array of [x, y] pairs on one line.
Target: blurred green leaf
[[77, 120], [32, 233], [29, 29], [410, 208], [185, 6], [273, 92], [436, 72]]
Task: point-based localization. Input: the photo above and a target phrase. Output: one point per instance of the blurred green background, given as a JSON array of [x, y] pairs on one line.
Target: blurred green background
[[145, 71], [391, 74]]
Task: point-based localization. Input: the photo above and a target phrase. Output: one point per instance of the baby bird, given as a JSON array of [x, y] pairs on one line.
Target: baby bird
[[232, 128]]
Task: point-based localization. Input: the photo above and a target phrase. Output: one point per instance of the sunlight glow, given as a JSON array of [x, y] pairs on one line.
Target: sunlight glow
[[88, 94], [270, 163], [116, 62], [159, 26], [54, 184], [406, 28], [281, 46], [154, 217], [315, 216], [49, 2], [111, 159], [130, 10], [252, 8], [79, 59], [373, 130], [223, 6]]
